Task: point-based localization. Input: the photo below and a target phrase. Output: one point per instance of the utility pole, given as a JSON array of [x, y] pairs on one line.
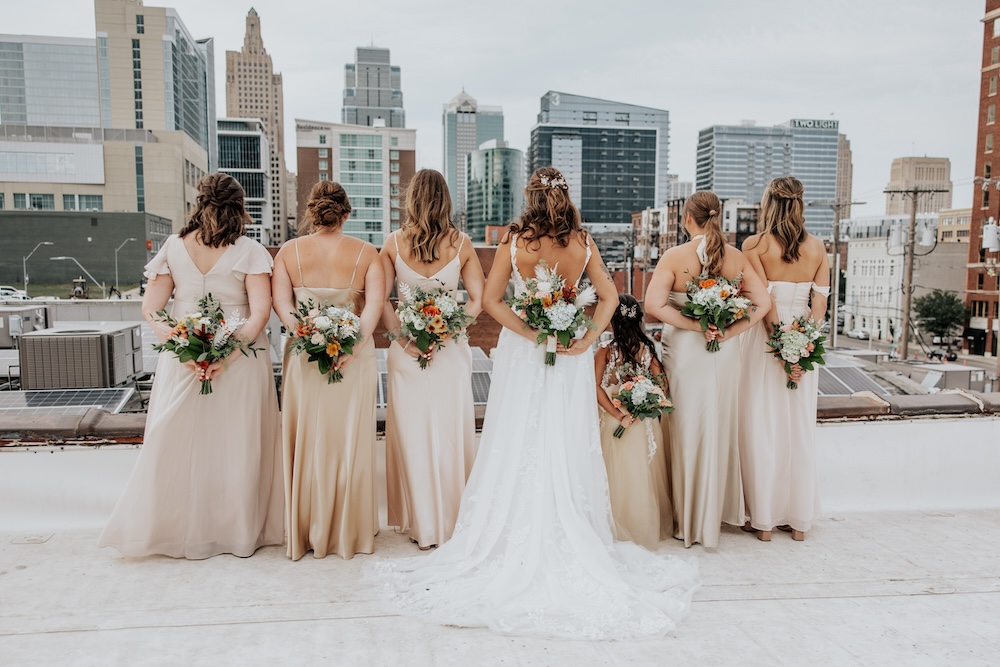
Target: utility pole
[[911, 238], [837, 207]]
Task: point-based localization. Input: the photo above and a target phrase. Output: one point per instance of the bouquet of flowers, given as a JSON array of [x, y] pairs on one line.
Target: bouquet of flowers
[[553, 308], [715, 301], [644, 398], [204, 336], [325, 333], [429, 318], [799, 342]]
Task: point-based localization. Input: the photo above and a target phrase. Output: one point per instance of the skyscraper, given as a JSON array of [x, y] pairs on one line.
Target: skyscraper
[[374, 164], [909, 172], [845, 174], [614, 156], [373, 94], [245, 155], [738, 161], [254, 90], [465, 126], [495, 187]]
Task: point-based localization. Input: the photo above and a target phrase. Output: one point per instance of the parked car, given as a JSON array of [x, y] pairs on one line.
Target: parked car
[[943, 355], [860, 334], [8, 292]]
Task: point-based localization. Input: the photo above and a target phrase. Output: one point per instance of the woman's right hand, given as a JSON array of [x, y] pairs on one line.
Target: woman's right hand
[[193, 367], [712, 333], [626, 419]]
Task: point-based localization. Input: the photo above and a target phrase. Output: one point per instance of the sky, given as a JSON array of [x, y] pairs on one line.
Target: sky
[[901, 77]]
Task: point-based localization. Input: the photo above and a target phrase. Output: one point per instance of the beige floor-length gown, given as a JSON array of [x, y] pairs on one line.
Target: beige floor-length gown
[[704, 433], [640, 493], [329, 444], [430, 426], [778, 426], [208, 478]]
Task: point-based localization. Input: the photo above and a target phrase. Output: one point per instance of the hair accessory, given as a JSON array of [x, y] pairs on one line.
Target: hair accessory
[[713, 212], [552, 183], [630, 311]]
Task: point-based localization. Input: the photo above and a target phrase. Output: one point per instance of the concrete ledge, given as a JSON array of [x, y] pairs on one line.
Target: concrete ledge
[[93, 423], [933, 404], [991, 402], [849, 407]]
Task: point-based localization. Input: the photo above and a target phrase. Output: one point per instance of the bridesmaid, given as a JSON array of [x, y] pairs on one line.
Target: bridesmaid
[[704, 426], [430, 426], [208, 477], [329, 429], [640, 495], [778, 425]]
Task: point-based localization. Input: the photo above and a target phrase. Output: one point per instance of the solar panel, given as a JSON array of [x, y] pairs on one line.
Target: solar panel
[[481, 388], [846, 380], [63, 401]]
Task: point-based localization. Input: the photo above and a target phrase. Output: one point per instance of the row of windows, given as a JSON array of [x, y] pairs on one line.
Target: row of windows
[[192, 174], [83, 202], [358, 140], [23, 202]]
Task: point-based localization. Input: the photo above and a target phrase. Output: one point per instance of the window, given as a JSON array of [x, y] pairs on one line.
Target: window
[[393, 155], [993, 85], [987, 168], [394, 141], [322, 137], [995, 55], [42, 202], [393, 166], [91, 202], [980, 281], [140, 24], [393, 178], [323, 176], [986, 198], [1, 201], [394, 214], [324, 165], [20, 200], [324, 152], [996, 27], [69, 202], [989, 143], [991, 114]]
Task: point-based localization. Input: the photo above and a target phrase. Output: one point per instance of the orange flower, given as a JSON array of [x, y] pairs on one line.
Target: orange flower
[[710, 282], [333, 349], [430, 310], [569, 293], [739, 314], [724, 294], [546, 302]]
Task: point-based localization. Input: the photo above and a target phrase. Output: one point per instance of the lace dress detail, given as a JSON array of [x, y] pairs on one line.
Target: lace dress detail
[[612, 379], [533, 550]]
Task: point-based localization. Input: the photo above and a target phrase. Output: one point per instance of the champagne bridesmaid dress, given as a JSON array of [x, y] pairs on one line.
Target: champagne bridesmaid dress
[[329, 443], [640, 493], [704, 432], [778, 425], [208, 477], [430, 426]]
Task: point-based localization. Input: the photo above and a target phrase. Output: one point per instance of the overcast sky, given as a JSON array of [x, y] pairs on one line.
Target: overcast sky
[[901, 77]]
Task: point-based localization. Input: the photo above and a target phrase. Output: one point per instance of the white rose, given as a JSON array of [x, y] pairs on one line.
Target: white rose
[[317, 339], [322, 322]]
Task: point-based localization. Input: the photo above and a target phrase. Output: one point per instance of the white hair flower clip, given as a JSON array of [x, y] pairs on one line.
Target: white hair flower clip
[[558, 182], [628, 311]]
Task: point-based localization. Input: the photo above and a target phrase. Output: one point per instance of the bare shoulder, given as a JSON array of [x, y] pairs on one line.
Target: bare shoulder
[[752, 244]]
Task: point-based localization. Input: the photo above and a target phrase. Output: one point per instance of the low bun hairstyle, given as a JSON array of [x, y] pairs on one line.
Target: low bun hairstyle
[[706, 210], [782, 215], [629, 334], [328, 207], [219, 218], [548, 210]]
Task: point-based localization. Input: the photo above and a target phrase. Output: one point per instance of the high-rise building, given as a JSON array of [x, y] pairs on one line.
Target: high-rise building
[[153, 74], [373, 94], [245, 155], [982, 280], [738, 161], [911, 172], [254, 90], [678, 189], [374, 164], [49, 81], [495, 187], [845, 174], [466, 125], [614, 156]]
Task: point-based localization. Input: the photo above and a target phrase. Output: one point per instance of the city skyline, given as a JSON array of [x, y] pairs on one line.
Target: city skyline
[[720, 65]]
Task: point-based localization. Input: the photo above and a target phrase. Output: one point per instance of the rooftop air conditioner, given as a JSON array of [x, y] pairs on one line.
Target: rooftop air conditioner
[[17, 320], [81, 357]]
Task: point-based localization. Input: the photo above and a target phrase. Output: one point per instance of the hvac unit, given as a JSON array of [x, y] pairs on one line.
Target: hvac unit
[[16, 320], [81, 357]]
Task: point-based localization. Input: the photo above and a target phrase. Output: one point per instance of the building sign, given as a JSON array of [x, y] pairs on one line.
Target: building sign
[[815, 124]]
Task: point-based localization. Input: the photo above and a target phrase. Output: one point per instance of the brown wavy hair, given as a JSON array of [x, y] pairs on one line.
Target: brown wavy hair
[[548, 211], [328, 207], [428, 215], [706, 210], [782, 215], [220, 217]]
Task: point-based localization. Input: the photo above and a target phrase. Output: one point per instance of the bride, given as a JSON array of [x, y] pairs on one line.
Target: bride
[[534, 551]]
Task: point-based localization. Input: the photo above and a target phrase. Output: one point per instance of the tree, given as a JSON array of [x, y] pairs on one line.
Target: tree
[[940, 312]]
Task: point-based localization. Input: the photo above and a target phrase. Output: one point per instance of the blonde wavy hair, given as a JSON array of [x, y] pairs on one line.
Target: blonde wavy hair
[[428, 215], [782, 215], [706, 210]]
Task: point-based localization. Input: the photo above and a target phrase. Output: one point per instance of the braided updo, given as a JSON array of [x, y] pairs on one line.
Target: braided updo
[[327, 208], [219, 217], [549, 211], [782, 215]]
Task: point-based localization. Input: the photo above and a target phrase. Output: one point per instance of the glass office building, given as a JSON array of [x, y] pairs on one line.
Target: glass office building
[[48, 81], [466, 125], [614, 156], [738, 161], [495, 187], [244, 154], [373, 92]]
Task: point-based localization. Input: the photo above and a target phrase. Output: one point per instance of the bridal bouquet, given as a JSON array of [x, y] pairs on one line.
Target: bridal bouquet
[[715, 301], [429, 318], [644, 398], [204, 336], [799, 342], [553, 308], [325, 333]]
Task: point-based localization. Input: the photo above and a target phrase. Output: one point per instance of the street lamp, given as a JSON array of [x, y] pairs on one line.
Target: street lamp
[[24, 263], [117, 284], [104, 293]]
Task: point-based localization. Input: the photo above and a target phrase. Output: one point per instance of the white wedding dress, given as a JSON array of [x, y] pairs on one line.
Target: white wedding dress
[[533, 552]]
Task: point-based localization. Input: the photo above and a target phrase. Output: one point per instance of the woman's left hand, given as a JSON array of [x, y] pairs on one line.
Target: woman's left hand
[[575, 348], [713, 333], [213, 370]]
